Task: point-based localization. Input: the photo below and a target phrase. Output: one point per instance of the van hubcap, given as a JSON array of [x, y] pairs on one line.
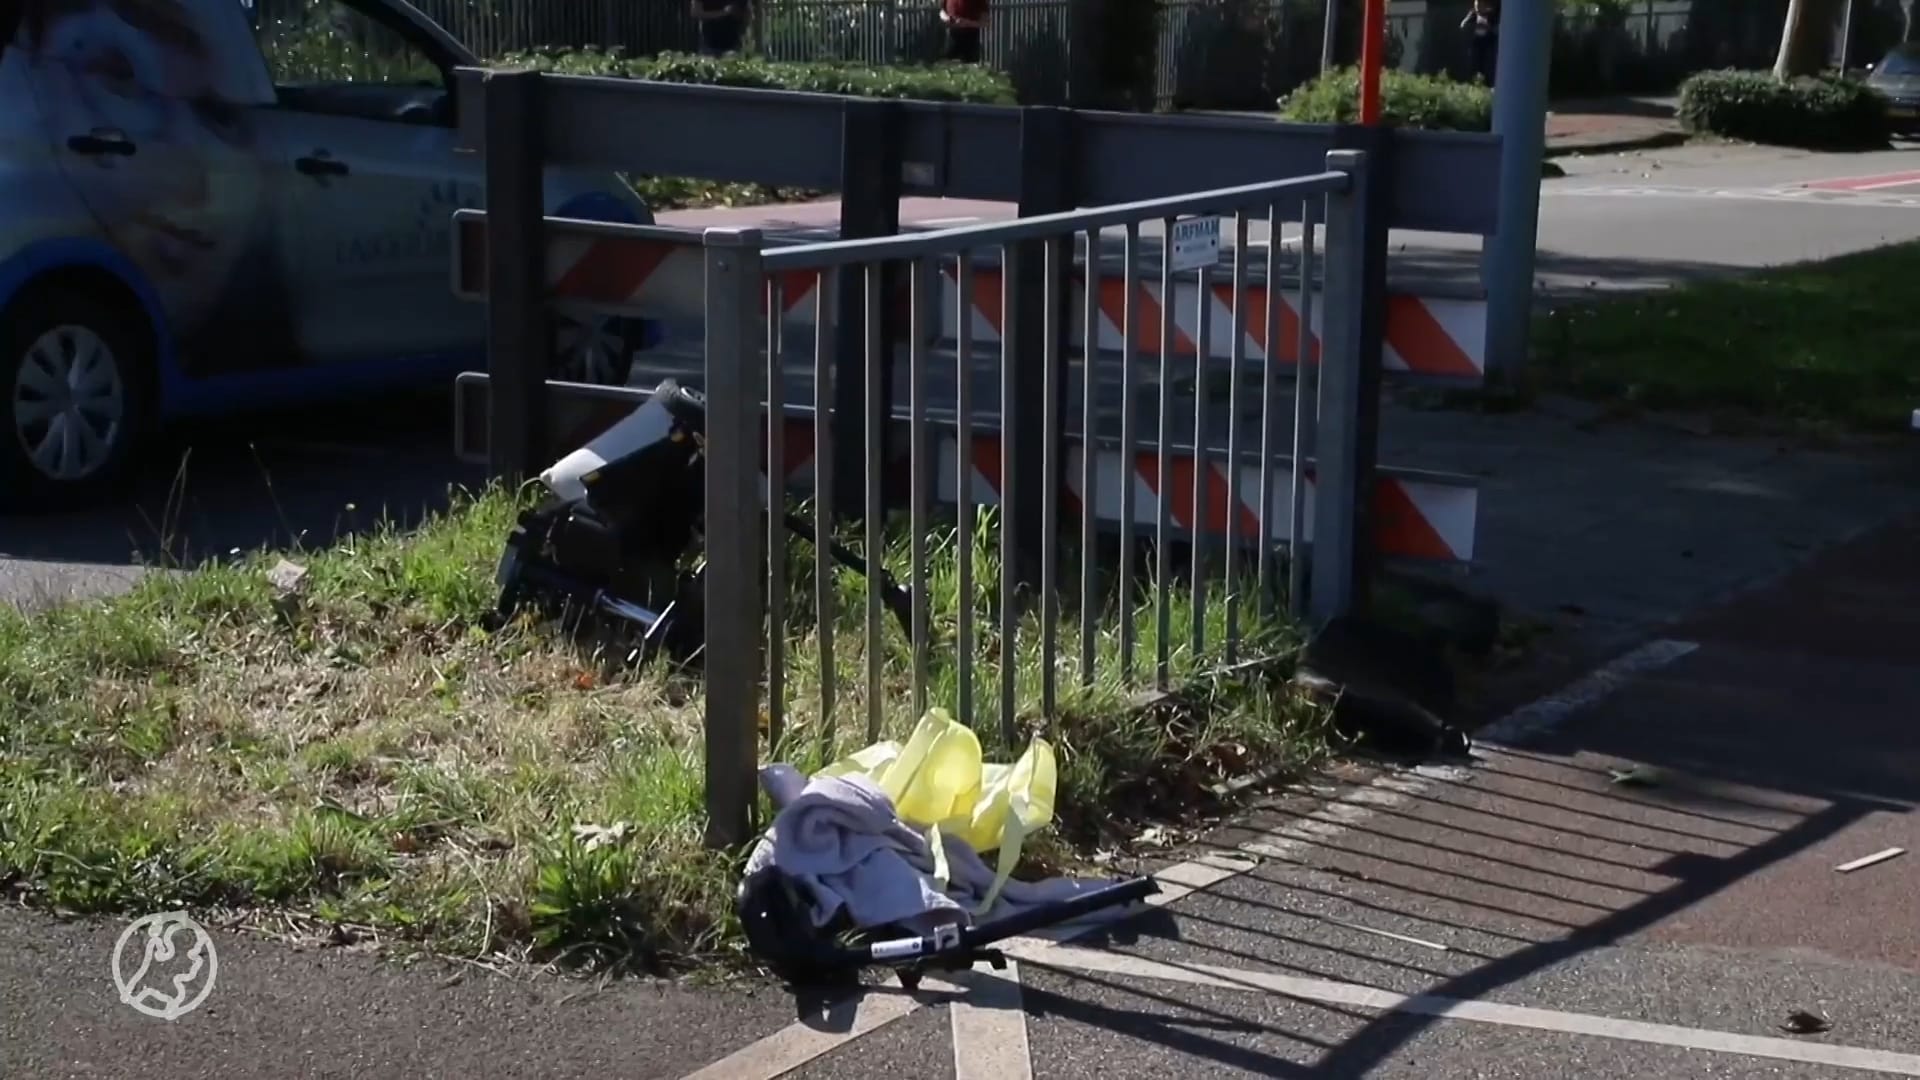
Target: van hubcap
[[69, 403], [591, 349]]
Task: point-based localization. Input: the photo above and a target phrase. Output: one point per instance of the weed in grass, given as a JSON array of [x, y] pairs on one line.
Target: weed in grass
[[359, 750]]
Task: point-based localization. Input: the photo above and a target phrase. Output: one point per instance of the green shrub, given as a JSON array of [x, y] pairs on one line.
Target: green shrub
[[1817, 113], [1406, 100], [922, 82], [925, 82]]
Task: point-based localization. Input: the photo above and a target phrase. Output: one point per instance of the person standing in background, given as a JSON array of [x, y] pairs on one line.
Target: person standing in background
[[1484, 20], [723, 24], [965, 20]]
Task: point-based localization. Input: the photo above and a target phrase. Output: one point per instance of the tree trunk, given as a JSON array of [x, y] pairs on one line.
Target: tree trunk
[[1806, 40]]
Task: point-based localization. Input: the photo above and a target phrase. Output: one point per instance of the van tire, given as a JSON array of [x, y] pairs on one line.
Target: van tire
[[103, 354]]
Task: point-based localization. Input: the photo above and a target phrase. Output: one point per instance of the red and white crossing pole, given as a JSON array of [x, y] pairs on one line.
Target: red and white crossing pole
[[1373, 55]]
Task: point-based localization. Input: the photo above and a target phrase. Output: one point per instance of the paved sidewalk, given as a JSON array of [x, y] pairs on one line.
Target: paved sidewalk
[[1609, 125], [1528, 916], [1579, 126]]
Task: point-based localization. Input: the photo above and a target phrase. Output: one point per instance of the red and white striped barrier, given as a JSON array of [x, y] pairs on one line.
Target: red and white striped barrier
[[643, 270], [660, 272], [1416, 517], [1428, 336]]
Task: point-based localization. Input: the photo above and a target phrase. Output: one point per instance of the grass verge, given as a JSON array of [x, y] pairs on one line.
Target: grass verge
[[1824, 346], [360, 754]]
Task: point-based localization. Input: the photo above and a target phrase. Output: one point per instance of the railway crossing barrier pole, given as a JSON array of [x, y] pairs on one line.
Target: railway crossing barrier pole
[[519, 334], [870, 189], [1046, 187]]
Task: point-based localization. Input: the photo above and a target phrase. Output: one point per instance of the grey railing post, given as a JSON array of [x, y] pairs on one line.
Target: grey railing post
[[1373, 202], [734, 280], [519, 338], [1336, 453]]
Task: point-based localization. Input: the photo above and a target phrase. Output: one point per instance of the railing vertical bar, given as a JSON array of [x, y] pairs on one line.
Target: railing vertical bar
[[1090, 321], [916, 463], [1234, 356], [875, 519], [1163, 432], [825, 599], [776, 523], [963, 481], [1010, 285], [1129, 443], [1202, 462], [1050, 470], [1269, 410], [1306, 414]]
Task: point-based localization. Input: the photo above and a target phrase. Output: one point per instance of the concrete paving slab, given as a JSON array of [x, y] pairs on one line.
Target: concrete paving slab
[[1482, 1053], [1308, 1028], [1087, 1025], [1750, 991], [920, 1045]]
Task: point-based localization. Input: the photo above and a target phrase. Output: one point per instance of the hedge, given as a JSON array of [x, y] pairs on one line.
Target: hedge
[[1822, 113], [1406, 100], [928, 82], [923, 82]]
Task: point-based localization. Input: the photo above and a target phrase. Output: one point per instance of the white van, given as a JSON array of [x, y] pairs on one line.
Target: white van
[[209, 206]]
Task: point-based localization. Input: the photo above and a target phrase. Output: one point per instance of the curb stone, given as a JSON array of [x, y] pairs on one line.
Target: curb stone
[[1655, 141]]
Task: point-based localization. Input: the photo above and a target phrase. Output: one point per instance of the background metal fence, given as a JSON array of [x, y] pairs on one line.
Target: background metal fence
[[1205, 53], [494, 27], [1239, 54], [1028, 40]]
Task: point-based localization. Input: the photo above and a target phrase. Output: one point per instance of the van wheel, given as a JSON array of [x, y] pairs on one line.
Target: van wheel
[[598, 349], [74, 400]]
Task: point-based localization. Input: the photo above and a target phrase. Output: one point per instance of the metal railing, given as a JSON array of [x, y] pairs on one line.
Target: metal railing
[[1090, 463], [1331, 498]]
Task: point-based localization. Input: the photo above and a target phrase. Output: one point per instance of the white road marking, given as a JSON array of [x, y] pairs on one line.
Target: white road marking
[[800, 1043], [1803, 195], [990, 1027], [1422, 942], [937, 221], [1908, 182], [1866, 183], [1483, 1012], [1551, 711], [1869, 860], [804, 1040]]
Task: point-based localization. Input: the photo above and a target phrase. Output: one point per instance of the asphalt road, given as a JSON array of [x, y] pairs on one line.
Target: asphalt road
[[283, 480], [1615, 221]]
